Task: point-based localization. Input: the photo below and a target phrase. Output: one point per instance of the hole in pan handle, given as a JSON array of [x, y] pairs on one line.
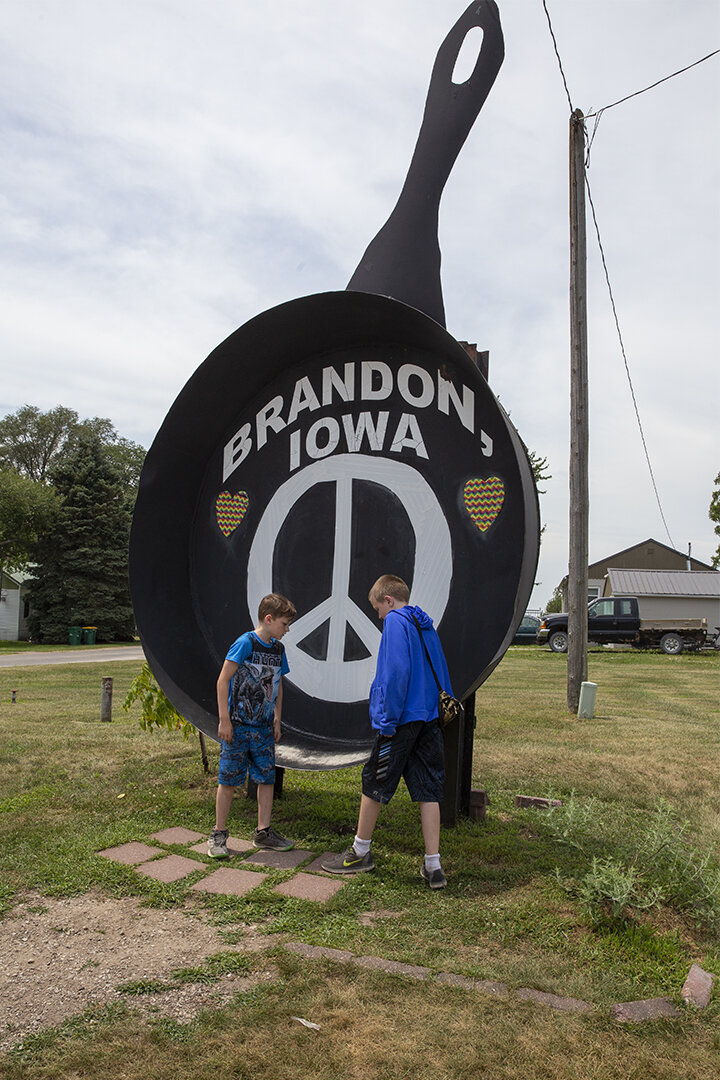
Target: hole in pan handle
[[403, 261]]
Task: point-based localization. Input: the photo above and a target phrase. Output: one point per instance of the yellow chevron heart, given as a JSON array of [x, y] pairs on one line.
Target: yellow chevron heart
[[230, 510], [483, 500]]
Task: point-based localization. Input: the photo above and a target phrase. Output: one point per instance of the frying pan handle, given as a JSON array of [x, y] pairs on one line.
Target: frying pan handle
[[403, 260]]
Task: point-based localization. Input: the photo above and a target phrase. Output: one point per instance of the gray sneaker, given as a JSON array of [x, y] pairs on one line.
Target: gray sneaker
[[348, 863], [217, 844], [434, 878], [271, 840]]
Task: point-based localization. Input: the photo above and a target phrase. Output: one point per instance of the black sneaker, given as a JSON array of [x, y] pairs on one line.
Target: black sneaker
[[271, 840], [217, 844], [435, 878], [348, 863]]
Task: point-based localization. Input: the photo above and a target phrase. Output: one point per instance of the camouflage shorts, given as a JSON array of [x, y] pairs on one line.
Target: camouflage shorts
[[251, 753]]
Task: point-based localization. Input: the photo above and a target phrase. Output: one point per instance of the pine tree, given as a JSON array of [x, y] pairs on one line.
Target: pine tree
[[81, 573]]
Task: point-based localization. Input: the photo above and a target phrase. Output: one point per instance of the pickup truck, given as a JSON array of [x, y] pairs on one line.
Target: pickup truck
[[617, 619]]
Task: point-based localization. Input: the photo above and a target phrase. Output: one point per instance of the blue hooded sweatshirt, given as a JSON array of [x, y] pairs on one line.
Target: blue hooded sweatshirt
[[404, 689]]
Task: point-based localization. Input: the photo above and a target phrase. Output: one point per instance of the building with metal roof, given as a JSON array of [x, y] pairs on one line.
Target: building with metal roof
[[664, 594]]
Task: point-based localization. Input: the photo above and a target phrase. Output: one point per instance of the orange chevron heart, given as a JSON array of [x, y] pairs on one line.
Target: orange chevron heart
[[483, 500], [230, 510]]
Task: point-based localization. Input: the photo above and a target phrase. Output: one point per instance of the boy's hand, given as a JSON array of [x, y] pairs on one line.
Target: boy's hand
[[225, 730], [277, 731]]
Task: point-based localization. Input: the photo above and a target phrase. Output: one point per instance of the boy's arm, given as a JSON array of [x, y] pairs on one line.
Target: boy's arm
[[390, 686], [223, 689], [278, 712]]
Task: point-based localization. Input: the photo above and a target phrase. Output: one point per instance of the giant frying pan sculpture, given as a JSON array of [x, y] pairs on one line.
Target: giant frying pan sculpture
[[327, 441]]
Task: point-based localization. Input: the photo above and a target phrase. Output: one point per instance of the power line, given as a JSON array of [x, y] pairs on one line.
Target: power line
[[624, 356], [600, 245], [557, 54], [652, 85]]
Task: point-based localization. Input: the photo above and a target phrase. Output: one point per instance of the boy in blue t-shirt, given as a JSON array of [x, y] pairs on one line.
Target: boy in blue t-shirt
[[249, 696]]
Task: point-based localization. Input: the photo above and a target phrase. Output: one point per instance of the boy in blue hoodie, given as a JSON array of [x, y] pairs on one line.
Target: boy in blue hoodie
[[409, 743]]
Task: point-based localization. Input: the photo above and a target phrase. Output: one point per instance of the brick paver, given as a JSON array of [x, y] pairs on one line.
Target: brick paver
[[555, 1001], [632, 1012], [235, 846], [176, 835], [537, 801], [393, 967], [316, 865], [319, 952], [230, 881], [280, 860], [171, 868], [131, 853], [309, 887], [697, 988]]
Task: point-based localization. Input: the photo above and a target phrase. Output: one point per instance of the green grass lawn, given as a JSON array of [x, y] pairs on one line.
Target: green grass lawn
[[513, 910]]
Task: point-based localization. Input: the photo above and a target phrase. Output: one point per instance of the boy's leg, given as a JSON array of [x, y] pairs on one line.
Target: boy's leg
[[367, 819], [261, 769], [217, 841], [223, 799], [424, 776], [430, 821], [265, 793]]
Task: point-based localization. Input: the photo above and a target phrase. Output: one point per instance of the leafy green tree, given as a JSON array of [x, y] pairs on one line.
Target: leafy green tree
[[714, 515], [539, 466], [33, 442], [81, 573], [27, 510], [555, 604]]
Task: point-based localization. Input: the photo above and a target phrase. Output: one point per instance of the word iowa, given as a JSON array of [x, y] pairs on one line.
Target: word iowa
[[367, 380]]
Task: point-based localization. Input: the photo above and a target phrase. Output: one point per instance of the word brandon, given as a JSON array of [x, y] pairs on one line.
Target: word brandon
[[415, 385]]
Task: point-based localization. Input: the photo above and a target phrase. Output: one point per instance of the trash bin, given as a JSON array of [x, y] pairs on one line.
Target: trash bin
[[75, 635], [88, 635]]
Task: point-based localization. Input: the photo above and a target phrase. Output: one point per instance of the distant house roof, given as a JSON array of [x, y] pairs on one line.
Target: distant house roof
[[664, 582], [650, 553]]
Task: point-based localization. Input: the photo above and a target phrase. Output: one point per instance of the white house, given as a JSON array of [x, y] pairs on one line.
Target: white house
[[13, 606]]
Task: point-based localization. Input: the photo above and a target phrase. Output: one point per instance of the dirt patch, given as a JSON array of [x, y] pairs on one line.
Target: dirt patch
[[59, 956]]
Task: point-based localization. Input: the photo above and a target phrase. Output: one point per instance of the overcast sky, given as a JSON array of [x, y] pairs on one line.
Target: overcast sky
[[172, 168]]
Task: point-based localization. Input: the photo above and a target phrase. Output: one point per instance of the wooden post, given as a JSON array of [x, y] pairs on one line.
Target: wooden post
[[106, 700], [204, 753], [579, 499]]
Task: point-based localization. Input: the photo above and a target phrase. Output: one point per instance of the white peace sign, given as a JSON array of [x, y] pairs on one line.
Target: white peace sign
[[336, 679]]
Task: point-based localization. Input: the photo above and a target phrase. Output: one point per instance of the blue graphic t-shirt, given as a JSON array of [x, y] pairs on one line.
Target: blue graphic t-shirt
[[254, 686]]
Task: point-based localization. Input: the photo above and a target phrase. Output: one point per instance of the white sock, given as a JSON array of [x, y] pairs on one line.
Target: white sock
[[361, 846], [432, 862]]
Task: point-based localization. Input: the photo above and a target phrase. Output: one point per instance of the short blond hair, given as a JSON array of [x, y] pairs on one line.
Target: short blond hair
[[276, 605], [389, 585]]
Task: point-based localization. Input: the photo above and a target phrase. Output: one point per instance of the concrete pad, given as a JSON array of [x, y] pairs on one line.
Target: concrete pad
[[235, 846], [280, 860], [376, 963], [633, 1012], [555, 1001], [176, 835], [697, 988], [171, 868], [484, 986], [450, 979], [319, 952], [131, 853], [309, 887], [316, 865], [230, 881]]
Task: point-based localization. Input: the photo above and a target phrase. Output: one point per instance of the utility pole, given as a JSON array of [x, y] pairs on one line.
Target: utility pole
[[579, 499]]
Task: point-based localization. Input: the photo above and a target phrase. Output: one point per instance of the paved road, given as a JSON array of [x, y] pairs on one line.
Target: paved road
[[73, 656]]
